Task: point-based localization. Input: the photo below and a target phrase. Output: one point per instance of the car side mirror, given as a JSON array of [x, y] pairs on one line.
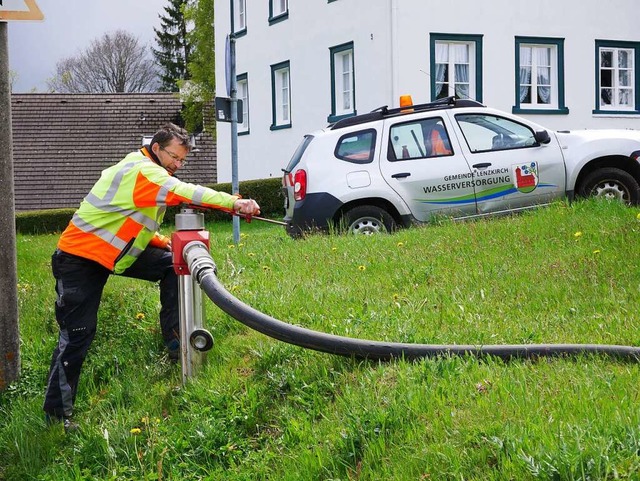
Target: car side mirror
[[542, 137]]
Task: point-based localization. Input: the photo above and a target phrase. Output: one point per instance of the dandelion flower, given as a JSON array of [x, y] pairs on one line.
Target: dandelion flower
[[362, 268], [140, 316], [251, 254], [638, 216], [266, 268], [597, 251], [577, 234], [231, 246], [243, 235], [400, 244], [241, 244], [396, 297], [335, 248], [136, 431]]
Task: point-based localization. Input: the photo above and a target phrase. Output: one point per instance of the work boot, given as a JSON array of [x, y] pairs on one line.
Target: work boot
[[67, 422], [173, 349]]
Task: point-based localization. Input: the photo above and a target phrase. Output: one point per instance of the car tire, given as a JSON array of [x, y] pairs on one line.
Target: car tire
[[368, 220], [611, 183]]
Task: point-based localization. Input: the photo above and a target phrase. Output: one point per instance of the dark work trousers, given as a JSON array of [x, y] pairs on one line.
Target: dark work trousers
[[79, 285]]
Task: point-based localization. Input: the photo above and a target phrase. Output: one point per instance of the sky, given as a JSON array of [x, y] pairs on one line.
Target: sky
[[68, 28]]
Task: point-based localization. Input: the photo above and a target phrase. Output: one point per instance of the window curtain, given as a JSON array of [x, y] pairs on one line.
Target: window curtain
[[461, 62], [543, 61], [525, 72], [442, 59]]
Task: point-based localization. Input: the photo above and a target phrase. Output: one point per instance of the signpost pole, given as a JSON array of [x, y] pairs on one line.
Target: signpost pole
[[9, 331], [233, 94]]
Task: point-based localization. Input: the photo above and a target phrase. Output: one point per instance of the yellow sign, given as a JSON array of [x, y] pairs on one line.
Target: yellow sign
[[19, 10]]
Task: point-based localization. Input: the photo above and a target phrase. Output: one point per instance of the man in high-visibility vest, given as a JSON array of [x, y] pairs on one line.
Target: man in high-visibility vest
[[114, 231]]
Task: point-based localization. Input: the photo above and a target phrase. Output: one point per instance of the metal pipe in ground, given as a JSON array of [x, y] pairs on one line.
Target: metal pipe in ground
[[194, 339]]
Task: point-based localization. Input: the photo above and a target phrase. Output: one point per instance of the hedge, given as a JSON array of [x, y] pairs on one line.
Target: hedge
[[266, 192]]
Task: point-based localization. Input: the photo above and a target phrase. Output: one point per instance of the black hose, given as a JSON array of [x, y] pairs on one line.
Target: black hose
[[361, 348]]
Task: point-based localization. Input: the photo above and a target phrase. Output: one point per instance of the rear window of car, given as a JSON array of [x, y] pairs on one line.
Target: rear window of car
[[297, 155], [357, 147]]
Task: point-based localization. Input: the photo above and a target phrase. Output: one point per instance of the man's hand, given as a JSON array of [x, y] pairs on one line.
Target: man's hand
[[246, 206]]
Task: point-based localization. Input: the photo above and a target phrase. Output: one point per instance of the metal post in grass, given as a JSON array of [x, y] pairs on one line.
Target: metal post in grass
[[9, 331], [194, 340]]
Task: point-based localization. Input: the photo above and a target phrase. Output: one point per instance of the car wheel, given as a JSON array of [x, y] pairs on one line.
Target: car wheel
[[368, 220], [611, 183]]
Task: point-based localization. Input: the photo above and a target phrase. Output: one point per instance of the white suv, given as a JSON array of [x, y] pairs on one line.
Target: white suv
[[396, 167]]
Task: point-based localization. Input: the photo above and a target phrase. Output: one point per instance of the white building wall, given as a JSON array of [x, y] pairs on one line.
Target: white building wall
[[391, 55]]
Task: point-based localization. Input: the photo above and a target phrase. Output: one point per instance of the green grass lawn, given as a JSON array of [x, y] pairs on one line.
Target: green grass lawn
[[260, 409]]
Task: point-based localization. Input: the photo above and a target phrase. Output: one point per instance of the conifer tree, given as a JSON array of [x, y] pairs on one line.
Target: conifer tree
[[201, 86], [174, 48]]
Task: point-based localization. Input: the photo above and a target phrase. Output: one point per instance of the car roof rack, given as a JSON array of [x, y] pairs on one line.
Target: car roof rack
[[384, 112]]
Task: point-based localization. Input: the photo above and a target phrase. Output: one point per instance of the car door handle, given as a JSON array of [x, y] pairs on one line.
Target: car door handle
[[482, 165], [401, 175]]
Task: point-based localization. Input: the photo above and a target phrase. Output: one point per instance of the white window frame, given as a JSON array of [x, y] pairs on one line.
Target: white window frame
[[522, 62], [452, 79], [239, 15], [281, 95], [279, 7], [242, 84], [343, 86], [534, 64], [473, 45], [616, 73]]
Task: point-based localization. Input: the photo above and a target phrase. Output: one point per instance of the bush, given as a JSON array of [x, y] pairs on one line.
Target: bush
[[266, 192], [43, 221]]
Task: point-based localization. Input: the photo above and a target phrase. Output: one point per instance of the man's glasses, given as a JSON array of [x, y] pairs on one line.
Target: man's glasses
[[174, 156]]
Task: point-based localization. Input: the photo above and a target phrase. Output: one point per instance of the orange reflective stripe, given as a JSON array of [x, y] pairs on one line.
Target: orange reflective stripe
[[79, 243], [145, 192], [175, 199], [129, 229]]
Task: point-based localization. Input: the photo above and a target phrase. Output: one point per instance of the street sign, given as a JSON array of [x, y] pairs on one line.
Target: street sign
[[19, 10], [223, 109]]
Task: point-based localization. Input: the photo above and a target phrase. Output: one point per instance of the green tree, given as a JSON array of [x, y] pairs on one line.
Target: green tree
[[199, 91], [174, 48]]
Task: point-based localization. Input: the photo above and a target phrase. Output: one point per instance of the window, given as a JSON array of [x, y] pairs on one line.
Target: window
[[618, 82], [456, 66], [357, 147], [419, 140], [239, 16], [539, 76], [342, 82], [278, 11], [281, 96], [243, 94], [485, 133]]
